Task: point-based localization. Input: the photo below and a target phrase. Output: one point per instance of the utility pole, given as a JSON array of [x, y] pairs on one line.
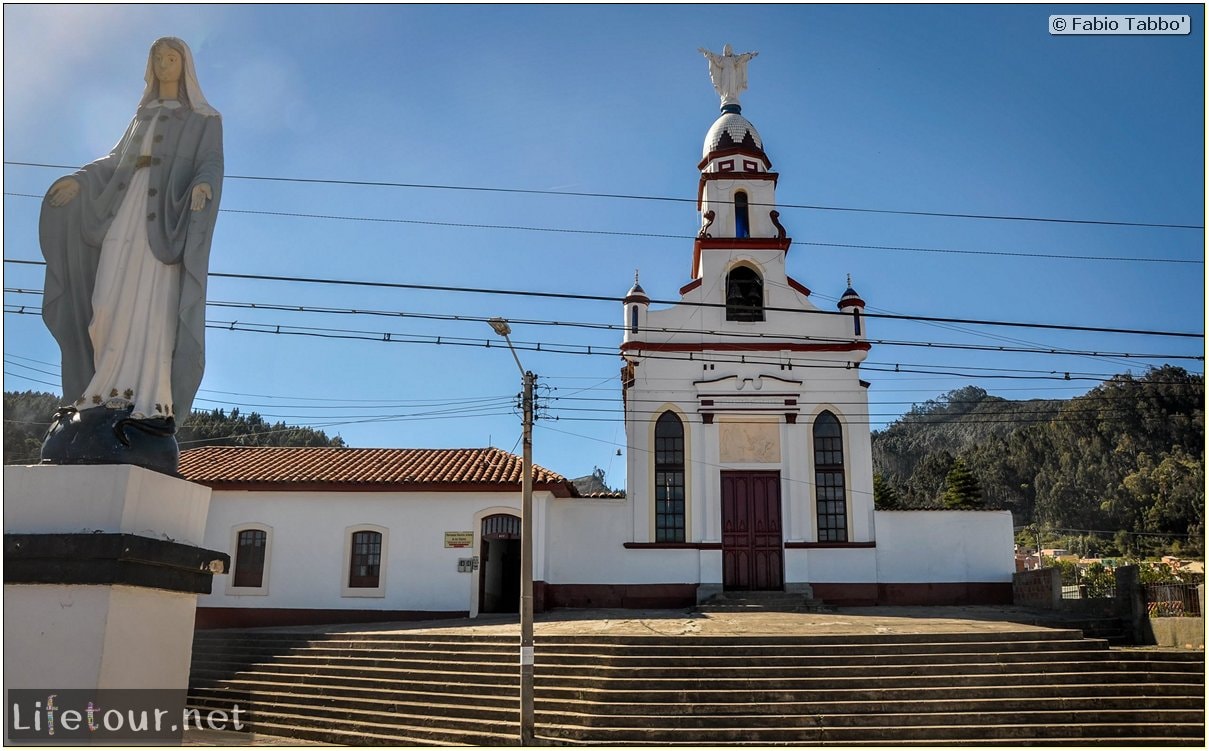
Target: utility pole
[[501, 327], [527, 567]]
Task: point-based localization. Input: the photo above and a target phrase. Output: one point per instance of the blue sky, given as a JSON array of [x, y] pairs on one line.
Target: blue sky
[[959, 109]]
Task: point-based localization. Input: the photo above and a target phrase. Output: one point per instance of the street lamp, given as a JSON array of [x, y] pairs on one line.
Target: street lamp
[[501, 327]]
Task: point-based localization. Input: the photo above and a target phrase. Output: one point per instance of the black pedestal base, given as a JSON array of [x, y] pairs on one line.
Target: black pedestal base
[[101, 435]]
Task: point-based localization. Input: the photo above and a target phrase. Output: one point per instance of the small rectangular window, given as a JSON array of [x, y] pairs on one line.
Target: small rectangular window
[[249, 558], [749, 166], [727, 166], [366, 563]]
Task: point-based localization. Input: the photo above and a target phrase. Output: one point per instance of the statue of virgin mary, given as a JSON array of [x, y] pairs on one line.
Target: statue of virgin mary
[[127, 246]]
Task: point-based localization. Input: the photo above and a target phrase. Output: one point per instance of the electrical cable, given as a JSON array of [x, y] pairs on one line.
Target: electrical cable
[[672, 199], [618, 300]]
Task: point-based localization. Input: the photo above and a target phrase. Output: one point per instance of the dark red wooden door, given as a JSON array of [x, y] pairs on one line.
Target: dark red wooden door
[[751, 531]]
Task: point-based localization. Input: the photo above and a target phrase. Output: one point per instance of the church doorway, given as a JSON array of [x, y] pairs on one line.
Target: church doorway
[[752, 557], [500, 564]]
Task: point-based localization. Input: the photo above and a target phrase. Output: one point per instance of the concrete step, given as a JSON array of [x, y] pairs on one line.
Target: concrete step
[[393, 729], [439, 708], [496, 654], [341, 690], [905, 702], [835, 674], [823, 721], [776, 692], [418, 663], [403, 682], [803, 683], [821, 656], [716, 667], [1024, 634], [418, 714], [694, 649], [970, 733], [335, 641], [747, 602]]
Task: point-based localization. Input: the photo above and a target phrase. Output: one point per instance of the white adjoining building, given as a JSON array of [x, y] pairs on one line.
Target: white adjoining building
[[749, 468]]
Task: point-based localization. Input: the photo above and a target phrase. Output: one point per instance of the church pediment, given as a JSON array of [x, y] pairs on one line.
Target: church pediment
[[748, 394]]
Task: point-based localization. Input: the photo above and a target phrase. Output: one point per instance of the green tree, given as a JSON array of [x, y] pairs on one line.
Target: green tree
[[26, 417], [962, 490], [885, 495]]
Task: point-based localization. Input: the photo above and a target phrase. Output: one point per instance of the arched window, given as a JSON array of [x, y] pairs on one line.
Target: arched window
[[365, 565], [669, 478], [250, 545], [830, 499], [744, 295], [633, 319], [742, 225]]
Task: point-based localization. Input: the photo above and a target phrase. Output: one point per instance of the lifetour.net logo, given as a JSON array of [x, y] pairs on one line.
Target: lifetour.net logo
[[69, 717]]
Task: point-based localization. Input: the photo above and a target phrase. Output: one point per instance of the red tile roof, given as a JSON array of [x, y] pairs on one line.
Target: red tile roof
[[296, 468]]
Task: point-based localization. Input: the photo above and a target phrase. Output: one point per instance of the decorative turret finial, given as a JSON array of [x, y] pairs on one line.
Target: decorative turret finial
[[728, 72], [635, 276], [850, 280]]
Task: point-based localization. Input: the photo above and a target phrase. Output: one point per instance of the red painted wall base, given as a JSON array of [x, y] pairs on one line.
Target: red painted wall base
[[253, 617], [636, 596]]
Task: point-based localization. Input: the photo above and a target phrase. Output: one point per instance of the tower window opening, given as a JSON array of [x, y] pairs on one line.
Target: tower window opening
[[634, 319], [742, 226], [744, 295], [856, 321]]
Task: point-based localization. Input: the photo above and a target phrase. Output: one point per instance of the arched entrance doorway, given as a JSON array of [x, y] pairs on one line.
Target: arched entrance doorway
[[500, 564]]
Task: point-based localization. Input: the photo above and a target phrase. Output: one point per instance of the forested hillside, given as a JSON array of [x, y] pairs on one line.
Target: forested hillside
[[27, 415], [1124, 462]]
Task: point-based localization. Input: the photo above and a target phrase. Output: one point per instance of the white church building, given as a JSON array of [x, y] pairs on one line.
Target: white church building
[[748, 466]]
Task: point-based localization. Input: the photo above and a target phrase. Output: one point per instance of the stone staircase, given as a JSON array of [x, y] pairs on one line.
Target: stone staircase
[[749, 602], [1027, 687]]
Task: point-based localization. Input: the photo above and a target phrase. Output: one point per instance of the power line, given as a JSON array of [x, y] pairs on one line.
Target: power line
[[344, 403], [774, 336], [671, 199], [611, 351], [666, 236], [618, 300]]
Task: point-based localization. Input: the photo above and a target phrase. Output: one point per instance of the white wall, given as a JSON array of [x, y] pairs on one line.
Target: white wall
[[586, 546], [944, 546], [308, 546], [831, 565]]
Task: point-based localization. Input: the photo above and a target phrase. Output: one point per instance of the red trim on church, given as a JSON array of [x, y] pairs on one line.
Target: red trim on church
[[690, 286], [745, 347], [737, 243], [795, 284], [732, 151], [744, 243], [816, 545]]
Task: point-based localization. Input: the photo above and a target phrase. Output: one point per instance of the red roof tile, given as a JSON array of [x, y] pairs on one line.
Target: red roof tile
[[263, 468]]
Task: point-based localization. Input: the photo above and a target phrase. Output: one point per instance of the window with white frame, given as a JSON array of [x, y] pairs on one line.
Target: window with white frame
[[251, 545], [365, 557], [830, 499]]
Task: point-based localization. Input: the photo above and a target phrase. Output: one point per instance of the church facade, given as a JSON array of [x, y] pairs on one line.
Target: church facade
[[749, 463]]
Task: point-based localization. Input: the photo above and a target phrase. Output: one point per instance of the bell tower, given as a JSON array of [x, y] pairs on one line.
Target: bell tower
[[736, 195]]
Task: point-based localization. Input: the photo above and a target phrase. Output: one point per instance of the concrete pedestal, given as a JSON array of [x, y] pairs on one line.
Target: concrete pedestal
[[103, 566]]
